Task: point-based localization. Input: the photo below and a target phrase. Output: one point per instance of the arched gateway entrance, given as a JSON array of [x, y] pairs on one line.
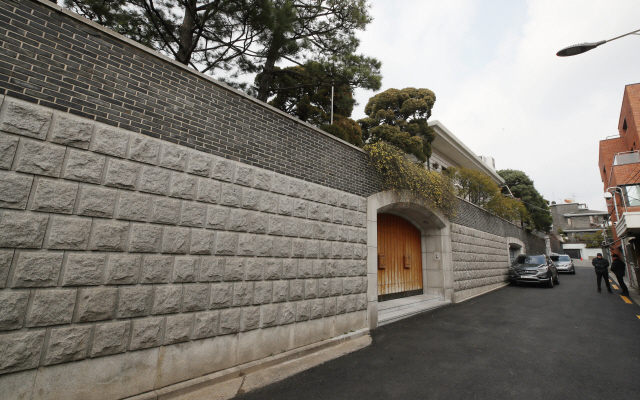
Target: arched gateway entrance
[[409, 255], [399, 258]]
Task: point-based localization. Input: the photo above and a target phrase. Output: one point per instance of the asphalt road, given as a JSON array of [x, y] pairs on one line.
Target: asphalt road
[[569, 342]]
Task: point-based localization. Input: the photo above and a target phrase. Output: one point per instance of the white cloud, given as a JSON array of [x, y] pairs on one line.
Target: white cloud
[[501, 89]]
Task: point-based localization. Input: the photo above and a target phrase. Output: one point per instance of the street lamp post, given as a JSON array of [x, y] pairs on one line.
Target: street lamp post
[[583, 47]]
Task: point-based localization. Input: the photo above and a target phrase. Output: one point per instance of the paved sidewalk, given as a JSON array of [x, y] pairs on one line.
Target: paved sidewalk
[[569, 342]]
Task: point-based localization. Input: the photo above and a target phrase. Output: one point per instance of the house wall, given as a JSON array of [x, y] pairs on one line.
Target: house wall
[[156, 225]]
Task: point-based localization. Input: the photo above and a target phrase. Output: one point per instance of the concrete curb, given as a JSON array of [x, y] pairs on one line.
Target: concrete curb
[[633, 292], [242, 371]]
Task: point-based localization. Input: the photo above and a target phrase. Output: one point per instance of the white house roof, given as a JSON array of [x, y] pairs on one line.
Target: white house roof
[[447, 144]]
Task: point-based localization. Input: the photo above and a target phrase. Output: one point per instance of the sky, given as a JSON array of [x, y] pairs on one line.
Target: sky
[[501, 89]]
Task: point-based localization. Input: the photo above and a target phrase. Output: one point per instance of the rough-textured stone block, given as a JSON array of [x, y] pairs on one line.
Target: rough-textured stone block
[[144, 149], [72, 131], [133, 301], [264, 246], [195, 297], [206, 324], [250, 318], [211, 269], [146, 333], [331, 268], [314, 211], [202, 241], [280, 291], [306, 229], [303, 311], [167, 299], [287, 314], [173, 156], [67, 344], [285, 205], [330, 306], [231, 195], [251, 199], [317, 308], [14, 190], [242, 293], [84, 269], [37, 269], [122, 174], [96, 201], [257, 223], [269, 315], [193, 214], [312, 248], [319, 230], [69, 233], [178, 328], [20, 351], [8, 147], [289, 269], [337, 215], [305, 269], [84, 166], [96, 304], [226, 243], [310, 288], [246, 245], [229, 321], [223, 169], [13, 307], [336, 287], [110, 338], [26, 119], [6, 256], [208, 190], [40, 158], [294, 188], [291, 227], [217, 217], [52, 307], [298, 248], [324, 288], [282, 247], [300, 208], [269, 203], [262, 292], [296, 290], [145, 238], [55, 196], [156, 269], [133, 206], [199, 163], [272, 269], [254, 269], [109, 235], [123, 269], [325, 213], [319, 267], [309, 191], [262, 180], [154, 180], [110, 140], [341, 306], [186, 269], [276, 225], [175, 240], [165, 211], [183, 186], [244, 175], [221, 295]]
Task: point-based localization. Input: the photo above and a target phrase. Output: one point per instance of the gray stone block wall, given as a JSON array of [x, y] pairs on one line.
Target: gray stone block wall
[[479, 258], [112, 241]]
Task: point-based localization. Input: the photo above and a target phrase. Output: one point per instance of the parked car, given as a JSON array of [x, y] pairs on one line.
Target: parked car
[[533, 268], [563, 263]]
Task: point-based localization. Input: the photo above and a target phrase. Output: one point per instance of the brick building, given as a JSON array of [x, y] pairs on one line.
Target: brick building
[[619, 164]]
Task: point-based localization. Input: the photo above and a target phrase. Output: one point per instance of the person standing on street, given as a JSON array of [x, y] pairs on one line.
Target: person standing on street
[[601, 265], [618, 267]]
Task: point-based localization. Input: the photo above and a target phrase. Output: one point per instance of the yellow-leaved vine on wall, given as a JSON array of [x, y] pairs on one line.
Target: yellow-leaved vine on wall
[[411, 181]]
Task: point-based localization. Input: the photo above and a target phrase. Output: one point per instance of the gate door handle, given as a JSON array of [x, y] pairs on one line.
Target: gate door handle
[[382, 261], [407, 261]]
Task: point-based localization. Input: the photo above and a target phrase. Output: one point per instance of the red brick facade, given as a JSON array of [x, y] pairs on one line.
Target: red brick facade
[[628, 141]]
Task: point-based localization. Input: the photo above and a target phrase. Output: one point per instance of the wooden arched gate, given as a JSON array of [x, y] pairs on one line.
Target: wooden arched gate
[[399, 258]]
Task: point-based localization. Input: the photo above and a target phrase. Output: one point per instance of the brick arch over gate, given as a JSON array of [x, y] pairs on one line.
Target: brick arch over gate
[[435, 228]]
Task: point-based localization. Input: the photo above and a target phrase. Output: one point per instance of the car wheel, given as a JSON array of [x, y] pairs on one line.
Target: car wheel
[[557, 280], [550, 284], [573, 271]]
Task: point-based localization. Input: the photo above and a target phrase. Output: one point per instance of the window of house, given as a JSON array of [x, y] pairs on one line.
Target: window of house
[[568, 221], [632, 195], [591, 219]]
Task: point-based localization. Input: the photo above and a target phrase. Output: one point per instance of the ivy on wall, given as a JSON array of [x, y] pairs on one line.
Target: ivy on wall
[[412, 181]]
